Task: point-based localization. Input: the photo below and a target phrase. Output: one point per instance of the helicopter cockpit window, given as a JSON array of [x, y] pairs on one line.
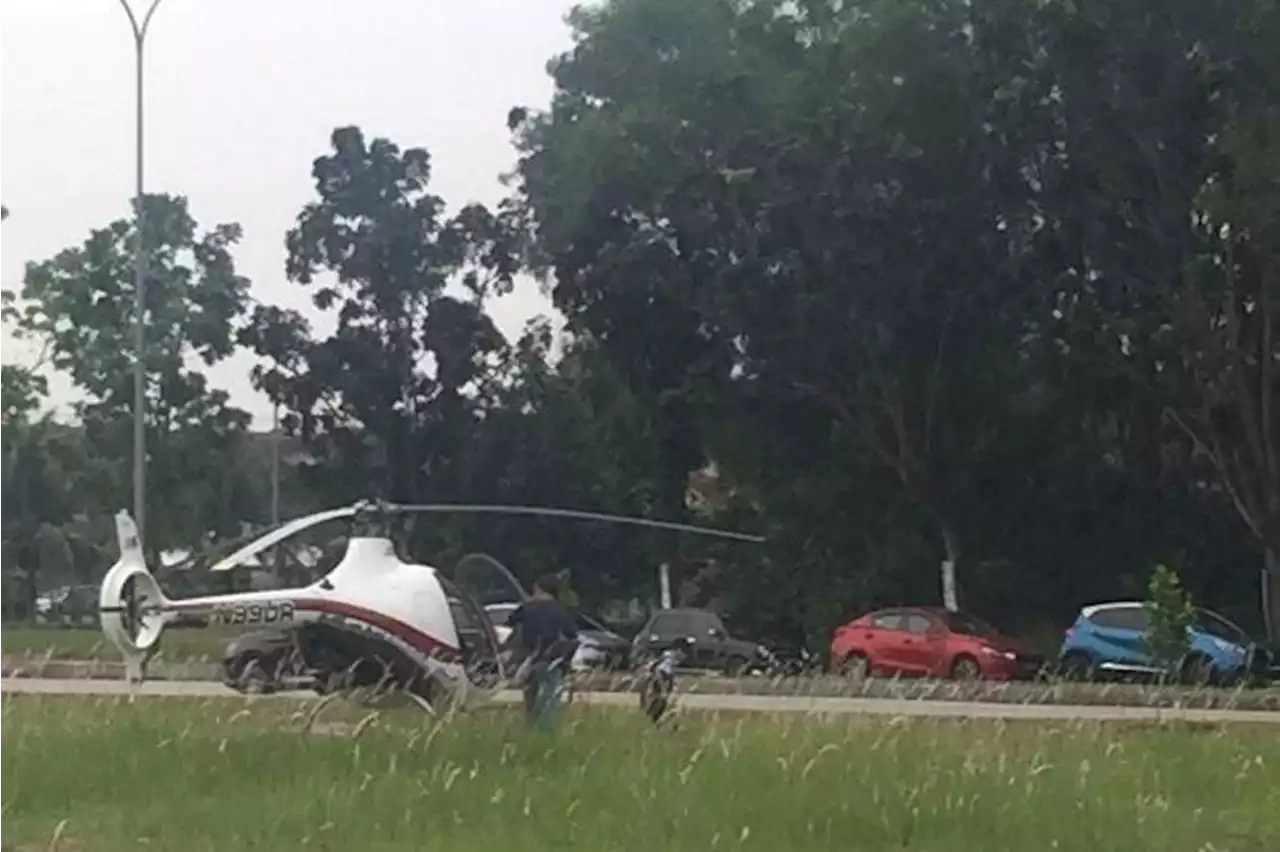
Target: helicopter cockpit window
[[469, 619]]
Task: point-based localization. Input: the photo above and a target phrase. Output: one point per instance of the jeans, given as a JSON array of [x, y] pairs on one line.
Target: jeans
[[543, 692]]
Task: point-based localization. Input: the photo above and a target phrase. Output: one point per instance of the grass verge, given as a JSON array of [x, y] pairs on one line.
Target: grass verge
[[50, 642], [234, 774]]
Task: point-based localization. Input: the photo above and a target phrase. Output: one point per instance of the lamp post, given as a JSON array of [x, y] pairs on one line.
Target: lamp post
[[275, 466], [139, 285]]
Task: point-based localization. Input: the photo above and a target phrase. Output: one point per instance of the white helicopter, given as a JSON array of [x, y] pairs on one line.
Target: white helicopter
[[373, 628]]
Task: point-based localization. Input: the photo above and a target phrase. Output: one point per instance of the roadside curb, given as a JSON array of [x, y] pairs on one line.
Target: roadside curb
[[104, 670]]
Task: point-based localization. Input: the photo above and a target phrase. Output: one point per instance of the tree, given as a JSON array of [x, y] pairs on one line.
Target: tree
[[44, 468], [21, 392], [1152, 200], [571, 434], [387, 402], [79, 305], [416, 396], [741, 234], [1236, 426]]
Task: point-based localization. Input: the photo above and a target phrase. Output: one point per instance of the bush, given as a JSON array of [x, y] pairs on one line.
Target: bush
[[1170, 618]]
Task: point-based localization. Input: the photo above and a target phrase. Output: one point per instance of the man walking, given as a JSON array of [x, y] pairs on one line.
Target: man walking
[[546, 639]]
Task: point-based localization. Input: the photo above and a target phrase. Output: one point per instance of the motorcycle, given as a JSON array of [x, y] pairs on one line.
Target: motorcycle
[[792, 662], [658, 681]]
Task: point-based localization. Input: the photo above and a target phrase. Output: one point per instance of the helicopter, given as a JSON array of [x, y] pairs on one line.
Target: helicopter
[[375, 628]]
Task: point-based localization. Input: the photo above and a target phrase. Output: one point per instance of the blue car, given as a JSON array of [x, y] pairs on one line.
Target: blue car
[[1107, 638]]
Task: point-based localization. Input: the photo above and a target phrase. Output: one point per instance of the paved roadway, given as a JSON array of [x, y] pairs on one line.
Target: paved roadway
[[758, 703]]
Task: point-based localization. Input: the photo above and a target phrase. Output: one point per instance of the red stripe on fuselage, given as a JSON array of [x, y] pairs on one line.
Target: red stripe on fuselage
[[423, 642]]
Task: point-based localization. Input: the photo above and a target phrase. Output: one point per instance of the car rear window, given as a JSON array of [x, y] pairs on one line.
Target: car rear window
[[968, 625], [1121, 618], [917, 623], [888, 621], [691, 623], [499, 616], [1216, 625]]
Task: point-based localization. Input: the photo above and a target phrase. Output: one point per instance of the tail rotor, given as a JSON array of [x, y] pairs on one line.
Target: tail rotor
[[131, 606]]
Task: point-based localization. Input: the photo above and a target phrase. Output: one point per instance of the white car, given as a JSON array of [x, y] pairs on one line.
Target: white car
[[598, 646]]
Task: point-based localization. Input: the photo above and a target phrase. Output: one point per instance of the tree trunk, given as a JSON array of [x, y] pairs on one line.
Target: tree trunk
[[950, 598], [1271, 593]]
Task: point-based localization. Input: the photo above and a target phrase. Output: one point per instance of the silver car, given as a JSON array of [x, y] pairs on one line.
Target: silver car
[[599, 648]]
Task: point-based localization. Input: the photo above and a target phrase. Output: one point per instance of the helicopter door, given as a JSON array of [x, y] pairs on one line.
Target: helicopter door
[[494, 591], [488, 581], [481, 654]]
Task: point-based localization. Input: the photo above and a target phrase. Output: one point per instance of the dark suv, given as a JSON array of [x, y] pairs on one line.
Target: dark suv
[[712, 647]]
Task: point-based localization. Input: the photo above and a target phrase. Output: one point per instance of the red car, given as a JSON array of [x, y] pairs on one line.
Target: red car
[[932, 642]]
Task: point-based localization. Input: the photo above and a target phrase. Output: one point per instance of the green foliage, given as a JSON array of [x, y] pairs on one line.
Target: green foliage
[[388, 400], [21, 392], [48, 477], [1170, 617], [888, 257], [79, 305], [834, 285], [416, 396]]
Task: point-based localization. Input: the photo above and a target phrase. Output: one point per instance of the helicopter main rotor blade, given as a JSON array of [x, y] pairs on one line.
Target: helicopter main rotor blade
[[278, 535], [463, 509]]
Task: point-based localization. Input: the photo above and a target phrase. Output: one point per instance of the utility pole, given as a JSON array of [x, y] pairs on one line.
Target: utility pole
[[275, 465], [139, 283]]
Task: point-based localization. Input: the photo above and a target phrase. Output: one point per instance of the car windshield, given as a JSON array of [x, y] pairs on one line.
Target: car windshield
[[690, 623], [586, 622], [1216, 625], [968, 625]]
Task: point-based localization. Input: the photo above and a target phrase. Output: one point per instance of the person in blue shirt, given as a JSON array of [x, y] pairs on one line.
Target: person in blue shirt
[[546, 638]]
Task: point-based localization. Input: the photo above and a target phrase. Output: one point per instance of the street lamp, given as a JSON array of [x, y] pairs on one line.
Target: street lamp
[[275, 466], [139, 288]]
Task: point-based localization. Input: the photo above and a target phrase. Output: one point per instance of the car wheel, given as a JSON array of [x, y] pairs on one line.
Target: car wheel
[[254, 677], [735, 667], [1076, 666], [1234, 679], [856, 667], [965, 667], [1197, 670]]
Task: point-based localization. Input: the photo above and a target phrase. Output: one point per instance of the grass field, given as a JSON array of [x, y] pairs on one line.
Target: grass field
[[230, 774], [88, 643]]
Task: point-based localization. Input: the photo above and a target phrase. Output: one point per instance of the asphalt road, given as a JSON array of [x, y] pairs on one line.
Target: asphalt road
[[759, 703]]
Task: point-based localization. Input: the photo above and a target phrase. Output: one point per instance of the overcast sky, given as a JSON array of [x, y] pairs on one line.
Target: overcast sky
[[241, 97]]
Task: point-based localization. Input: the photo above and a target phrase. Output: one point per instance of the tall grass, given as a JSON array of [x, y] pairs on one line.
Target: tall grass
[[50, 642], [104, 774]]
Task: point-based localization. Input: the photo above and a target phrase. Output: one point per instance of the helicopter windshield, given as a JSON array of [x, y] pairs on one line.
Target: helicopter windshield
[[488, 580], [479, 643], [309, 544]]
